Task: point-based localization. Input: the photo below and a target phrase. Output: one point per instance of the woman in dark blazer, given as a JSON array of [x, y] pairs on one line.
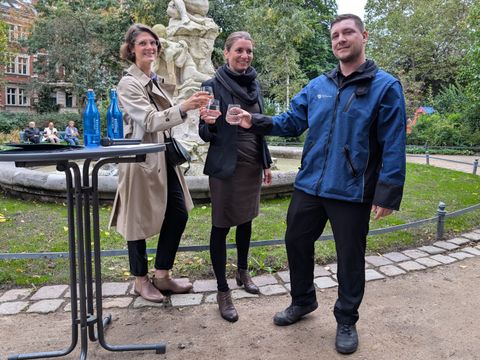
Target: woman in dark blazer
[[235, 163]]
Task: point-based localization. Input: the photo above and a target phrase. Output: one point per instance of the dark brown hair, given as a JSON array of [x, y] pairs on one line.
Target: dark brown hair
[[358, 21], [237, 35], [126, 50]]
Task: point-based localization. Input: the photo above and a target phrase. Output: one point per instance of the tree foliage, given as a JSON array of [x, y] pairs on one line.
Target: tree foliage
[[3, 45], [470, 69], [285, 33], [78, 42], [423, 40]]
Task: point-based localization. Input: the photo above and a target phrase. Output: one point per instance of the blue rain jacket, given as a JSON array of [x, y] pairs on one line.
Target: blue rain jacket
[[355, 146]]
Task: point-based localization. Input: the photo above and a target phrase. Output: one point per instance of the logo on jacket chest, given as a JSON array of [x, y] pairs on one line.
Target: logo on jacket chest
[[323, 96]]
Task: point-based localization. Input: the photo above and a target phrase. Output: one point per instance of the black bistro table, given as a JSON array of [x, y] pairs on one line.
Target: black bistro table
[[88, 322]]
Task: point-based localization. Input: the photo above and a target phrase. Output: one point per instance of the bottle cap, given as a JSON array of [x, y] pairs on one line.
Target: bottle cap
[[90, 90]]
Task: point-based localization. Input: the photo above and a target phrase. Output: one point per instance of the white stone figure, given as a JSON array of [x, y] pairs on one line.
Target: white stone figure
[[185, 59], [195, 10], [175, 63]]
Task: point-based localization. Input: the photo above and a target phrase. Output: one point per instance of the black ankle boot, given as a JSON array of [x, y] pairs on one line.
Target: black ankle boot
[[243, 278], [225, 305]]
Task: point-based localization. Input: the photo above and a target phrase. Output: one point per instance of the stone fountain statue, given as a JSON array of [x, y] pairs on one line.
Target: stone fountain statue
[[185, 59]]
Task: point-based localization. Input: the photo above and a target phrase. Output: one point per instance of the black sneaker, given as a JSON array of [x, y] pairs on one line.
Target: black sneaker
[[346, 341], [292, 314]]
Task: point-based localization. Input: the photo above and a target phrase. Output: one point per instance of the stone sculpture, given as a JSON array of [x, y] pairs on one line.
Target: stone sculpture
[[185, 59]]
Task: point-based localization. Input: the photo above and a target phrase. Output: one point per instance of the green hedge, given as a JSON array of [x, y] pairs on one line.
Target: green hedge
[[10, 121], [443, 130]]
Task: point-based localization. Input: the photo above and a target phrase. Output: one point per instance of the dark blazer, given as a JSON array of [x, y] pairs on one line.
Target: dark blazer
[[222, 154]]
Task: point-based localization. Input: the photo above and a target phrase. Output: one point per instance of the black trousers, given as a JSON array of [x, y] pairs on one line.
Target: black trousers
[[218, 251], [306, 219], [176, 217]]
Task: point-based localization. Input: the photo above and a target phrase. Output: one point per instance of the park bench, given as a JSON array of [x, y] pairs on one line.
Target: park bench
[[23, 138]]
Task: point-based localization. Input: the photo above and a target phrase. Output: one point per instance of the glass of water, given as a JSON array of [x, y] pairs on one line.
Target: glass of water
[[213, 108], [207, 89], [231, 117]]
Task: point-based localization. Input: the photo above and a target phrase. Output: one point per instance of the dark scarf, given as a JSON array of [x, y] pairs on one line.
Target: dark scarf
[[236, 83]]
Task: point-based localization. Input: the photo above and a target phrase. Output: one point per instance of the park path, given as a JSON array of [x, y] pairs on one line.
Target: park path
[[443, 162]]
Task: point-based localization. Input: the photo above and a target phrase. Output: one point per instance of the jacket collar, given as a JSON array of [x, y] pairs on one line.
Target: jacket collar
[[366, 71], [162, 91], [138, 74]]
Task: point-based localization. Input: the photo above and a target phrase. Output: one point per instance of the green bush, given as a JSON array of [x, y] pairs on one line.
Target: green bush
[[442, 130], [18, 121]]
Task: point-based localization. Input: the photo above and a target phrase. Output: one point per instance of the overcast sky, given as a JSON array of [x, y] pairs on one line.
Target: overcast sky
[[351, 7]]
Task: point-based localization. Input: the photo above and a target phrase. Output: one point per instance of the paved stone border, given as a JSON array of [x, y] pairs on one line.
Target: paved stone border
[[54, 298]]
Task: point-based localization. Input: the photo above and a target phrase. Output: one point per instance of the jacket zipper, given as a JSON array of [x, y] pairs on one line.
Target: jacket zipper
[[349, 102], [327, 148]]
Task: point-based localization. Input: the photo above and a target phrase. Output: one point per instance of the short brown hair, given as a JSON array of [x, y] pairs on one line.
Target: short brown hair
[[126, 50], [237, 35], [358, 21]]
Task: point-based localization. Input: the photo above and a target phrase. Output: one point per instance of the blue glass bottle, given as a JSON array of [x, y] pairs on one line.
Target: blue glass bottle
[[91, 122], [114, 117]]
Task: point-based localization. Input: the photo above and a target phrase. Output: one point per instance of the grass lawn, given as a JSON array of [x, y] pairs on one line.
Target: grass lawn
[[29, 226]]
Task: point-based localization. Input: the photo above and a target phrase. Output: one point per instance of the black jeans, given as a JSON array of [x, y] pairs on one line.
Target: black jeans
[[218, 251], [176, 217], [306, 219]]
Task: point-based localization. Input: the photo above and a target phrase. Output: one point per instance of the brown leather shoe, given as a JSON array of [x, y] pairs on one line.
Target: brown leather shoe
[[146, 290], [170, 285], [243, 278], [225, 305]]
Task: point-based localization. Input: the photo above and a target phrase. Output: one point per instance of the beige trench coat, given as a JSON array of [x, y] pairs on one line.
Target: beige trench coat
[[141, 198]]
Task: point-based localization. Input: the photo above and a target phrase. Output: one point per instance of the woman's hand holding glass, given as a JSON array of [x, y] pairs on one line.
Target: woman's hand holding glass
[[211, 112], [196, 101]]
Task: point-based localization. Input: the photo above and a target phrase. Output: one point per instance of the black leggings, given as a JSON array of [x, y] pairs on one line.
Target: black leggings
[[218, 251], [176, 217]]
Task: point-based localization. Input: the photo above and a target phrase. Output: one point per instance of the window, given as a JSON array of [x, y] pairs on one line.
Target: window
[[10, 65], [22, 65], [22, 97], [16, 32], [11, 96], [11, 32], [18, 65], [68, 100], [17, 97]]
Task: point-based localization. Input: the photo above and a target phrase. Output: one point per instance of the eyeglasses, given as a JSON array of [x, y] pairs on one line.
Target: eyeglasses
[[144, 43]]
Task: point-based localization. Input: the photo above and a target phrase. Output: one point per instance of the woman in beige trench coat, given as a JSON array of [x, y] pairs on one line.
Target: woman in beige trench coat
[[152, 197]]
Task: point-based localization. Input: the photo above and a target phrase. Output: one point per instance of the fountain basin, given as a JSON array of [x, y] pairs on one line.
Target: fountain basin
[[49, 184]]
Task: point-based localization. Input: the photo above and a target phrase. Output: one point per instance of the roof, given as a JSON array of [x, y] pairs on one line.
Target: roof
[[23, 6]]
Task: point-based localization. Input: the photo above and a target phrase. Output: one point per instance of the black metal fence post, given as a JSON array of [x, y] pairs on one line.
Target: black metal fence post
[[441, 220], [475, 167]]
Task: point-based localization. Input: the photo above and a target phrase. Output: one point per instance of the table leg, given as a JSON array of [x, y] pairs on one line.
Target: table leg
[[73, 276], [81, 258], [159, 348], [88, 248]]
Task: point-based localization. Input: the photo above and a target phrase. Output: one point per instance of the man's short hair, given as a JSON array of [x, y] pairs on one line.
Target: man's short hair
[[358, 21]]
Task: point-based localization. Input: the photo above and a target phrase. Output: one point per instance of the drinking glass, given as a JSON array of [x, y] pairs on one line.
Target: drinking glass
[[213, 104], [207, 89], [232, 119], [213, 108]]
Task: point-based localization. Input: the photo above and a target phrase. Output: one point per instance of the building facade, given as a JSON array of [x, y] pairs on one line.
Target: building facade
[[16, 94]]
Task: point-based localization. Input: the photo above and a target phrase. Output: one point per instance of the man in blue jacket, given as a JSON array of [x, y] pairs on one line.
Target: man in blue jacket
[[353, 163]]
